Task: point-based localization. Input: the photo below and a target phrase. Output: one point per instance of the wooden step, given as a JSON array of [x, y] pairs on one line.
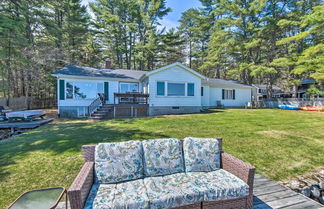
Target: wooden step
[[105, 109], [98, 115], [97, 118], [107, 105]]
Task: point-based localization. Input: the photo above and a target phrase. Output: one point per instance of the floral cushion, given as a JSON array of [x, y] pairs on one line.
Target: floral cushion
[[201, 154], [167, 191], [117, 162], [171, 191], [219, 185], [130, 195], [162, 157], [101, 196]]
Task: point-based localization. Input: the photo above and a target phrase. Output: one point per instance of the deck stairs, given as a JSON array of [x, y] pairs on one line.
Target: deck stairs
[[103, 112]]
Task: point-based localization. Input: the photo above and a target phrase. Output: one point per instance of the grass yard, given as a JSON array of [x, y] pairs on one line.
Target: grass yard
[[280, 144]]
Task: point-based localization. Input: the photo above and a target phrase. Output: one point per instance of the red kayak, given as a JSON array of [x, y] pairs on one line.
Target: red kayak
[[312, 108]]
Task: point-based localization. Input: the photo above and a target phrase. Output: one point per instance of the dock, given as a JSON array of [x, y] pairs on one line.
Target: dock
[[24, 125], [271, 195]]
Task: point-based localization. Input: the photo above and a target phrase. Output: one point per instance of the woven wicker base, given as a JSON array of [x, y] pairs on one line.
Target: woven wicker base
[[237, 203], [192, 206]]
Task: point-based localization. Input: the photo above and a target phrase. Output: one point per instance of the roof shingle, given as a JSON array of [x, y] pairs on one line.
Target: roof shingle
[[224, 83], [74, 70]]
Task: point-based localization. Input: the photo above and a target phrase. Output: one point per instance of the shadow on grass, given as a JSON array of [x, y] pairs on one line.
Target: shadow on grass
[[208, 111], [67, 137]]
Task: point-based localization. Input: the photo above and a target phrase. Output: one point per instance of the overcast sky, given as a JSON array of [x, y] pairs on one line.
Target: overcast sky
[[178, 6]]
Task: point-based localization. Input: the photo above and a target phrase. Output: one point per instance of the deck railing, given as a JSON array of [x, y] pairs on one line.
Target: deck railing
[[131, 98], [95, 104]]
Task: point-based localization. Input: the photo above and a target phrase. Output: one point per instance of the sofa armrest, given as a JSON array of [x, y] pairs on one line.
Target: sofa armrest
[[243, 170], [79, 190]]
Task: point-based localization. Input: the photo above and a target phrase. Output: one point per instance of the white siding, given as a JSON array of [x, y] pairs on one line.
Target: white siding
[[175, 74], [113, 88], [206, 98], [242, 96]]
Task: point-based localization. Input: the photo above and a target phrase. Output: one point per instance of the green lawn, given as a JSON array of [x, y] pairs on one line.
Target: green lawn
[[280, 144]]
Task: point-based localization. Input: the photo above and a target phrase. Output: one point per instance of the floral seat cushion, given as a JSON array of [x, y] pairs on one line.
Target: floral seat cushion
[[201, 154], [120, 161], [172, 191], [162, 157], [219, 185], [169, 191], [100, 196], [182, 189], [130, 195]]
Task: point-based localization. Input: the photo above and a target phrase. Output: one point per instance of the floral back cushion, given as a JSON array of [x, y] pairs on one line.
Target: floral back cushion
[[120, 161], [201, 154], [163, 156]]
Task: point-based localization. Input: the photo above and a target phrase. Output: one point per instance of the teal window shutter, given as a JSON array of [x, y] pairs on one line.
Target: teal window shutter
[[62, 89], [233, 94], [191, 89], [106, 90], [160, 86], [202, 91], [223, 93]]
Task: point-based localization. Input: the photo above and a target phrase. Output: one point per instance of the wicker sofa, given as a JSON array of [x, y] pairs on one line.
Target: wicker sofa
[[162, 173]]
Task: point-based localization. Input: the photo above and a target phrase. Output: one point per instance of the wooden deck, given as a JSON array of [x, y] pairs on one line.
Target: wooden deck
[[24, 125], [269, 194]]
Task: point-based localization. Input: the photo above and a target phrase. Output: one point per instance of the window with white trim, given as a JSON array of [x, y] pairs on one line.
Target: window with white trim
[[176, 89], [128, 87], [228, 94], [83, 90]]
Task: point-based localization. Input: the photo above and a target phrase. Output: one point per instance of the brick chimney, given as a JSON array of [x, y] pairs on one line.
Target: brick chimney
[[108, 64]]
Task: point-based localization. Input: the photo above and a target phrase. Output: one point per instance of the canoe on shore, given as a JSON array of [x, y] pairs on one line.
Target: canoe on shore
[[312, 108], [288, 107]]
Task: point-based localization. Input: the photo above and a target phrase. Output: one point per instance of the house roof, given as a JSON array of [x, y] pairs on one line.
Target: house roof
[[307, 81], [224, 83], [178, 64], [264, 86], [73, 70]]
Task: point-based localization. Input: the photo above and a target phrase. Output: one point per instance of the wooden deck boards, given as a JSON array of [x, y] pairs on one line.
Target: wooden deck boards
[[269, 194], [23, 125]]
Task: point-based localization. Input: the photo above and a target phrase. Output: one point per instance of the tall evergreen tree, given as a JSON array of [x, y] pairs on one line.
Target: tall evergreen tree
[[304, 54], [129, 29], [38, 37], [235, 44]]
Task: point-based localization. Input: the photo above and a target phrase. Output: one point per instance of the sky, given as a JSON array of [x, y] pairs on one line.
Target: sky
[[177, 6]]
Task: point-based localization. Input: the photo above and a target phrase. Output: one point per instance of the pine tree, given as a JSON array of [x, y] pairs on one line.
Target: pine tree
[[171, 48], [128, 30], [188, 28], [234, 48], [302, 55], [37, 38]]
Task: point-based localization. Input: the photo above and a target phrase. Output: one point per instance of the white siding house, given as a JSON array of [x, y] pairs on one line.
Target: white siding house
[[172, 89], [225, 92], [180, 93]]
